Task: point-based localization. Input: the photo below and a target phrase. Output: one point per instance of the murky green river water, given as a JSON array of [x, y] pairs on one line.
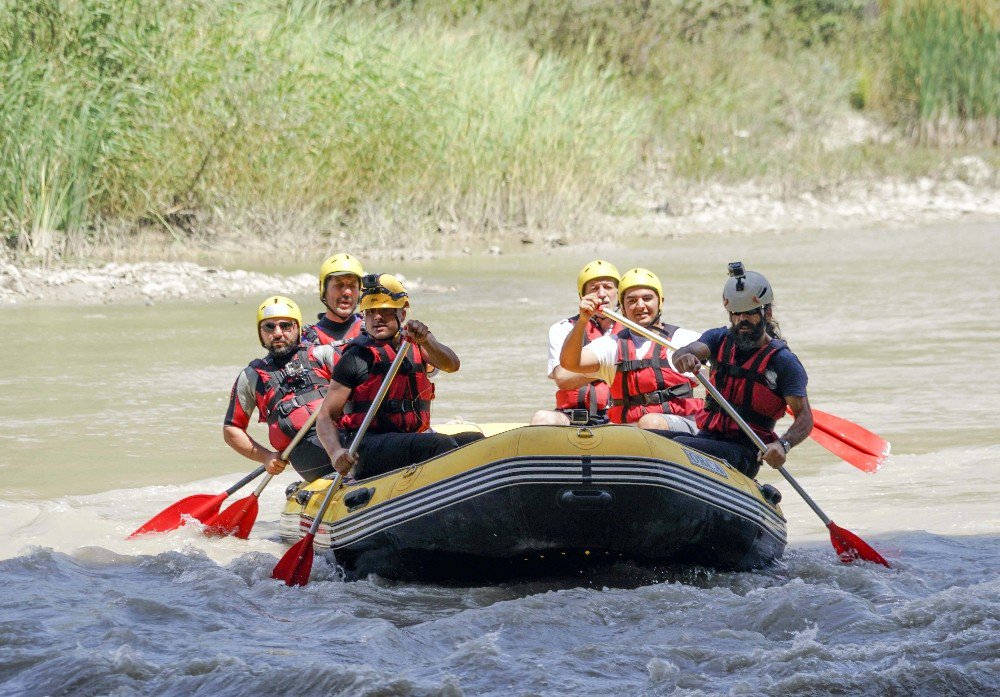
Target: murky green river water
[[897, 329]]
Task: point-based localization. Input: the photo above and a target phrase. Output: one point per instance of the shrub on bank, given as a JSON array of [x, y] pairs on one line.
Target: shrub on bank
[[759, 88]]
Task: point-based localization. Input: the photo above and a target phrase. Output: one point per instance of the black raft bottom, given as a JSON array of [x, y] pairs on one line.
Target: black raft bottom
[[573, 566]]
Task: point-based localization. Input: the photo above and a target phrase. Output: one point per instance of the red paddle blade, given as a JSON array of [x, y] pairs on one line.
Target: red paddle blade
[[294, 567], [848, 441], [860, 436], [856, 436], [861, 459], [200, 506], [237, 520], [850, 547]]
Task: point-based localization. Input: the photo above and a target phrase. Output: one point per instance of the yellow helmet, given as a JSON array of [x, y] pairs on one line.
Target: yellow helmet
[[596, 269], [639, 278], [338, 265], [382, 290], [277, 306]]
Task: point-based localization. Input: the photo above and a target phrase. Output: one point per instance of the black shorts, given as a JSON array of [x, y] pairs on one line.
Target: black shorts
[[309, 458], [379, 453]]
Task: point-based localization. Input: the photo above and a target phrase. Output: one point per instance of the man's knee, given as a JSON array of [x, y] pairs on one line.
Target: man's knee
[[681, 423], [467, 437], [737, 458], [666, 422], [312, 472], [438, 443], [547, 417], [684, 439], [653, 422]]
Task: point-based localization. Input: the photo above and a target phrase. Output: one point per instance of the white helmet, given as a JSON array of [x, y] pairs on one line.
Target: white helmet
[[746, 290]]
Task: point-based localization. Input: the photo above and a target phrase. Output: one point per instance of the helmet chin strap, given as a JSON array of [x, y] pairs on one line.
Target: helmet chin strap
[[322, 296], [596, 321]]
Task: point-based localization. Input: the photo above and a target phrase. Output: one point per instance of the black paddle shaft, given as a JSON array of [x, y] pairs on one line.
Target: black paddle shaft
[[246, 480]]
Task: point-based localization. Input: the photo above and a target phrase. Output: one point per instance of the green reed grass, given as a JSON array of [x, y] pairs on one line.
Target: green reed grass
[[72, 95], [942, 68], [133, 109], [383, 122], [738, 89]]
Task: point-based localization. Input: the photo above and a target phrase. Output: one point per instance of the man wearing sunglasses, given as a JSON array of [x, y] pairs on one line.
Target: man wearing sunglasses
[[755, 371], [285, 387]]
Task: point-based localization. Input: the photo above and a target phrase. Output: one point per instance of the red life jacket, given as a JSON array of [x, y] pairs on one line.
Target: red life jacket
[[406, 407], [317, 334], [649, 385], [286, 396], [750, 388], [595, 396]]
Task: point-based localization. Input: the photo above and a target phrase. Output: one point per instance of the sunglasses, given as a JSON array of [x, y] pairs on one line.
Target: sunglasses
[[270, 327]]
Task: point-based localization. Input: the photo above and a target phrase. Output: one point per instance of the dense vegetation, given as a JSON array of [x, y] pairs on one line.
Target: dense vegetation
[[380, 117]]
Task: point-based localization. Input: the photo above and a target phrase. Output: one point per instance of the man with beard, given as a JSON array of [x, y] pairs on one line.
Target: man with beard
[[398, 435], [339, 288], [645, 389], [581, 399], [755, 371], [285, 387]]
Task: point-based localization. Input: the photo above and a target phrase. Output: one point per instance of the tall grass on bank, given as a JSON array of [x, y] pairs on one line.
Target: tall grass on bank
[[942, 64], [768, 88], [465, 127], [132, 109], [738, 88], [383, 122], [71, 95]]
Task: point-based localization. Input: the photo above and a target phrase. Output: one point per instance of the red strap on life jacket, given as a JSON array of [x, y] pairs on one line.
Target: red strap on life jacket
[[405, 407], [648, 385], [749, 387], [596, 395]]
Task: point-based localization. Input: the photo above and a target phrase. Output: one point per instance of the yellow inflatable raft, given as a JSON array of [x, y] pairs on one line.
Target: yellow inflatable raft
[[542, 500]]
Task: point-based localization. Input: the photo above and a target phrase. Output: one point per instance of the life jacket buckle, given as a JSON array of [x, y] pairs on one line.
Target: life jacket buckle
[[579, 417]]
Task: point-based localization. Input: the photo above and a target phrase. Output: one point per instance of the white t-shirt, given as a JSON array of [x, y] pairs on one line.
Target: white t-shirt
[[606, 350], [557, 337]]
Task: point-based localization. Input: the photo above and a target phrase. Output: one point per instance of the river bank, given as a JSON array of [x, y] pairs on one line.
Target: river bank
[[168, 271]]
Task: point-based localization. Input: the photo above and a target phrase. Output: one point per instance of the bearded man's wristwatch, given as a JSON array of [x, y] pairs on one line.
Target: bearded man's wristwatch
[[785, 444]]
